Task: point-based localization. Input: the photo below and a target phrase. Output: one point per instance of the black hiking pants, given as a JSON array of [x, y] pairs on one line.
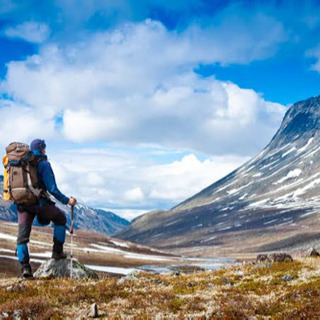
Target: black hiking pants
[[45, 214]]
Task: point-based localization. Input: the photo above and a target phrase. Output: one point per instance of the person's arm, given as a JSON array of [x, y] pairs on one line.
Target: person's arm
[[49, 181]]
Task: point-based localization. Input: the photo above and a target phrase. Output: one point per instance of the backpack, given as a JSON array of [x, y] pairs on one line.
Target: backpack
[[22, 179]]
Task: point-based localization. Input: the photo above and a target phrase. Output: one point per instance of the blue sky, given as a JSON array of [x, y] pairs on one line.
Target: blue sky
[[144, 103]]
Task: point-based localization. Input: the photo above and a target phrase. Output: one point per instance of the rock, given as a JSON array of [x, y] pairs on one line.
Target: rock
[[157, 281], [17, 314], [280, 257], [262, 258], [313, 253], [88, 314], [93, 311], [274, 257], [17, 287], [61, 268], [187, 269], [130, 276], [287, 277], [225, 280]]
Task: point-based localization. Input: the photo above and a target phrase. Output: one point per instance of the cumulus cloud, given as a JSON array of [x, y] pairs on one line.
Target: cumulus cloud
[[30, 31], [137, 84], [92, 126], [123, 180], [183, 178], [21, 123], [134, 195]]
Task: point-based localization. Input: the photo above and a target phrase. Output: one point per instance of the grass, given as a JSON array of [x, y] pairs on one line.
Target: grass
[[236, 292]]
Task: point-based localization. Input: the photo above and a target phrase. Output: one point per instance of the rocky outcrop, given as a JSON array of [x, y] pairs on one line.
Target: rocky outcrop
[[313, 253], [262, 258], [274, 257], [62, 268]]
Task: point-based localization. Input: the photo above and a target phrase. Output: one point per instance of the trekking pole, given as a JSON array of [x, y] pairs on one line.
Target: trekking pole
[[71, 235]]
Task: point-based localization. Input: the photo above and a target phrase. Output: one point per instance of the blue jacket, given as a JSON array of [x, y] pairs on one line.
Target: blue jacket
[[47, 181]]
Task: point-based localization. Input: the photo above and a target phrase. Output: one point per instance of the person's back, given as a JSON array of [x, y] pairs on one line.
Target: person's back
[[46, 178], [45, 210]]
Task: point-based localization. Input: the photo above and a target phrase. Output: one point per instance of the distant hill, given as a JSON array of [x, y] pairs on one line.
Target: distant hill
[[86, 218], [270, 203]]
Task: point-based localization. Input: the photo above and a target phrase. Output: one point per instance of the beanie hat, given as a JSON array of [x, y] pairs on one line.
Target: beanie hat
[[38, 144]]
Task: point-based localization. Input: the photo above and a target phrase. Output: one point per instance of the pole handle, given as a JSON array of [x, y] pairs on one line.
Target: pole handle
[[72, 219]]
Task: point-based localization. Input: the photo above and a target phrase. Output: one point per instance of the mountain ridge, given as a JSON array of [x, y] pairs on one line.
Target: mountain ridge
[[277, 189], [86, 218]]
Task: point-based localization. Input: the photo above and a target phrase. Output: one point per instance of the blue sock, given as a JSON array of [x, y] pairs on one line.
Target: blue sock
[[59, 234], [23, 253]]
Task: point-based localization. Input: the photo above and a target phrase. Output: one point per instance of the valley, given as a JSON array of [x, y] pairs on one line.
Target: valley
[[103, 254]]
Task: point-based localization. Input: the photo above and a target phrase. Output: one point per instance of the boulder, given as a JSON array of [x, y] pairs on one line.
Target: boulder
[[287, 277], [280, 257], [313, 253], [274, 257], [93, 311], [262, 258], [131, 276], [62, 268]]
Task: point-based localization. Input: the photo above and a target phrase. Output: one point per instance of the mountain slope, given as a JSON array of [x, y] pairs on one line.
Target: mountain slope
[[86, 218], [268, 199]]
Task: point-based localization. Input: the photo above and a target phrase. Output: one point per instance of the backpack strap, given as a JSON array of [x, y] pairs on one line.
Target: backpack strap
[[35, 162]]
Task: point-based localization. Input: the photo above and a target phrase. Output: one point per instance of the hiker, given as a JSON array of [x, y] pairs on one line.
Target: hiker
[[44, 209]]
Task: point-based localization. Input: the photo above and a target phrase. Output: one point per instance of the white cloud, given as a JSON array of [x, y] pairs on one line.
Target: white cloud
[[128, 214], [125, 181], [83, 125], [20, 123], [94, 179], [30, 31], [134, 195], [136, 84], [237, 39], [181, 179]]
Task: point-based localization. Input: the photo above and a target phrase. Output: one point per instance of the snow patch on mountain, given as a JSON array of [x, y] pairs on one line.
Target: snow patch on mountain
[[278, 187], [292, 174]]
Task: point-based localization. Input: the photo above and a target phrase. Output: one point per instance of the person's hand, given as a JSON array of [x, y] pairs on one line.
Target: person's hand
[[72, 201]]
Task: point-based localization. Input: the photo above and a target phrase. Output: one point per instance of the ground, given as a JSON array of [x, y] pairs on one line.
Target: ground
[[92, 249], [286, 290]]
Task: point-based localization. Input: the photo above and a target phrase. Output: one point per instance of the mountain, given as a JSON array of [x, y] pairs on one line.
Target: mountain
[[86, 218], [270, 203]]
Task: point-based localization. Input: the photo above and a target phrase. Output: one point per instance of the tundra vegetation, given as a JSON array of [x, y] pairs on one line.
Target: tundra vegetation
[[260, 291]]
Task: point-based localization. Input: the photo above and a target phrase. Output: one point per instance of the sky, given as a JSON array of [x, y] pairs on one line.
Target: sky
[[144, 103]]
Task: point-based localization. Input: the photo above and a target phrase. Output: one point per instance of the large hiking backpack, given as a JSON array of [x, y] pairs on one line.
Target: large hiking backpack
[[22, 180]]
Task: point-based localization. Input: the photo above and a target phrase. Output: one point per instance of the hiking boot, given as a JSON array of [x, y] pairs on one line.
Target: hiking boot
[[58, 255], [26, 271]]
